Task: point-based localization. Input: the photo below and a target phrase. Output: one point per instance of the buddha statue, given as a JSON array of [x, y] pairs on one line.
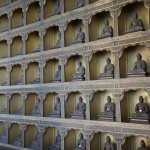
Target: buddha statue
[[78, 4], [136, 24], [57, 77], [108, 70], [108, 145], [80, 72], [20, 22], [81, 143], [57, 144], [3, 138], [4, 111], [36, 143], [20, 81], [19, 111], [57, 10], [36, 111], [18, 141], [79, 113], [109, 111], [56, 113], [143, 147], [141, 114], [107, 31], [139, 68], [58, 43], [80, 36], [37, 79], [38, 15]]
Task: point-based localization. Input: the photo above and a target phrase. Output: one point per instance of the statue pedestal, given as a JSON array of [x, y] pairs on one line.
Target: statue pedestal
[[78, 79], [76, 116], [37, 50], [17, 142], [55, 81], [110, 118], [104, 36], [19, 82], [140, 120], [102, 76], [36, 112], [4, 111], [139, 74], [134, 30], [36, 81]]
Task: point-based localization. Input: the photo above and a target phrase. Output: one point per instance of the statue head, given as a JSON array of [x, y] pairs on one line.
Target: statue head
[[135, 15], [106, 22], [140, 99], [108, 139], [79, 29], [79, 63], [81, 136], [109, 99], [59, 67], [139, 56], [142, 143], [108, 60], [80, 99], [58, 99]]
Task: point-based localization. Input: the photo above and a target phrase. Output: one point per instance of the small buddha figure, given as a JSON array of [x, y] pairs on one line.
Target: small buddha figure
[[4, 111], [141, 114], [57, 10], [58, 43], [20, 22], [3, 138], [143, 147], [79, 113], [139, 68], [80, 72], [107, 31], [57, 144], [108, 145], [36, 143], [36, 111], [81, 143], [136, 24], [78, 4], [19, 111], [37, 79], [108, 70], [56, 113], [80, 36], [18, 141], [20, 81], [57, 77], [109, 111]]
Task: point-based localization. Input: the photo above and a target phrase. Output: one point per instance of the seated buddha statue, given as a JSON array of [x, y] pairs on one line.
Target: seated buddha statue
[[18, 141], [139, 68], [107, 31], [109, 111], [36, 111], [36, 143], [56, 113], [80, 36], [4, 111], [80, 72], [141, 114], [81, 143], [108, 70], [143, 147], [79, 113], [78, 4], [57, 77], [19, 111], [20, 23], [136, 24], [57, 144], [58, 43], [3, 138], [37, 79], [57, 10], [108, 145]]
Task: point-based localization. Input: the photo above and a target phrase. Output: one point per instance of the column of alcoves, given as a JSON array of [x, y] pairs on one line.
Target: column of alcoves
[[27, 135]]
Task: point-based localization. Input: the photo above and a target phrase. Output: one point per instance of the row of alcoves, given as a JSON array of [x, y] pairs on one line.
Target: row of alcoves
[[19, 107], [95, 27], [32, 71], [70, 141]]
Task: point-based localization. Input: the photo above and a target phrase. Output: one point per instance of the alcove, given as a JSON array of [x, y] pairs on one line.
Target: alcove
[[71, 31], [16, 46], [2, 128], [130, 99], [4, 23], [49, 103], [31, 72], [97, 24], [126, 16], [4, 49], [51, 37], [97, 103], [98, 63], [15, 74], [33, 42], [3, 77], [33, 13], [71, 66], [69, 5], [129, 57], [50, 70], [15, 103], [3, 104]]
